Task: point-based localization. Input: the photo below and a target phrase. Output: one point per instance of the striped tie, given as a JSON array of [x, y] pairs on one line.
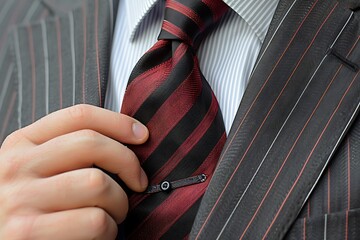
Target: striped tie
[[168, 93]]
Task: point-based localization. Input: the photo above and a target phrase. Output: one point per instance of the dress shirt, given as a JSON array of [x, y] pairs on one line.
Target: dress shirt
[[226, 56]]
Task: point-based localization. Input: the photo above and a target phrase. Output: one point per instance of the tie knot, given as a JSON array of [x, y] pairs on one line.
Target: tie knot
[[188, 20]]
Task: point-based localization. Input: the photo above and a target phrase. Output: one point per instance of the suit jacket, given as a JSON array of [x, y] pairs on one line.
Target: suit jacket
[[291, 166]]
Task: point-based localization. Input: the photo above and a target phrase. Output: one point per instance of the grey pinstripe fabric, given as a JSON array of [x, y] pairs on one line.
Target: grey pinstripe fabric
[[227, 71], [54, 58], [12, 13], [257, 191]]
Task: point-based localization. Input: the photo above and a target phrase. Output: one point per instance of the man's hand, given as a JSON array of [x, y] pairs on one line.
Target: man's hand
[[48, 188]]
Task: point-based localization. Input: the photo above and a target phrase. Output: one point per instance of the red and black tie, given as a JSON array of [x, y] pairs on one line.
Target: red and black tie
[[168, 93]]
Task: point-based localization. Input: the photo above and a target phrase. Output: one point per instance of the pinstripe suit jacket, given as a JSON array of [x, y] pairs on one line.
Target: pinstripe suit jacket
[[291, 165]]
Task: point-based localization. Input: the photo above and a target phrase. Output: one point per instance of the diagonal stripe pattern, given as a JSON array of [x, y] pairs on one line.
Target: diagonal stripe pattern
[[168, 93]]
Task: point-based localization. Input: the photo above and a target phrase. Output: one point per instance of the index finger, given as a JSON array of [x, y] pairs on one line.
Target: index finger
[[114, 125]]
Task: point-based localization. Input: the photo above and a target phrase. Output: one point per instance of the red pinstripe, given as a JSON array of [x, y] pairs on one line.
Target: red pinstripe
[[9, 111], [352, 48], [328, 191], [85, 43], [347, 226], [13, 19], [97, 48], [148, 87], [33, 70], [176, 31], [348, 187], [304, 229], [310, 155], [349, 158], [290, 151], [58, 33], [186, 11], [247, 112], [348, 142], [348, 174]]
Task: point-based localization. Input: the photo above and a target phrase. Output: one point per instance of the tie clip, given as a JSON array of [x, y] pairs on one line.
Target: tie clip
[[166, 186]]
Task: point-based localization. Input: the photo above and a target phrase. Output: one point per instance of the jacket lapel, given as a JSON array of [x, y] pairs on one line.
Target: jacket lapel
[[64, 59], [302, 97]]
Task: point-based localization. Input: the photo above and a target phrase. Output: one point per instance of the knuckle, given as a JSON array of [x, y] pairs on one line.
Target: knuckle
[[5, 204], [79, 112], [89, 138], [91, 134], [10, 231], [100, 221], [62, 184], [13, 197], [98, 180], [130, 159], [18, 228], [124, 207], [11, 165], [11, 207]]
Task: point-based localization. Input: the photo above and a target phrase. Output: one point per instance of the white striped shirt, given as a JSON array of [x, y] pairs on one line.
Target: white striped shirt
[[227, 56]]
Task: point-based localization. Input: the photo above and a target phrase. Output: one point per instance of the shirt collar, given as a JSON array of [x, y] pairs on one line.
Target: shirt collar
[[257, 13], [136, 11]]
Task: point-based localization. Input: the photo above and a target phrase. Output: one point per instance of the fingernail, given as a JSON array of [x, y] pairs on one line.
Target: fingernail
[[143, 179], [139, 130]]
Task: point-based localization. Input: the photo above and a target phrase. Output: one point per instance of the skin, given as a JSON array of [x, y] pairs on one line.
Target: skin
[[47, 177]]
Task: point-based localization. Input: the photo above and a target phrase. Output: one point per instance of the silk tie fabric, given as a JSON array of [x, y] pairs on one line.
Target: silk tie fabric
[[168, 93]]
